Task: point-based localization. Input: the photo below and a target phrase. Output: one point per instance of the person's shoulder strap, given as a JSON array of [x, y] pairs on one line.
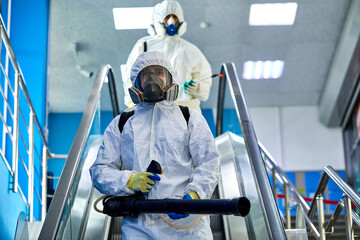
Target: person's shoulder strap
[[126, 115], [185, 111], [123, 118]]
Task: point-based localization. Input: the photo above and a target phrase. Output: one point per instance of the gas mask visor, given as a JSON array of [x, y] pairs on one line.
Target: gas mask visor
[[154, 84]]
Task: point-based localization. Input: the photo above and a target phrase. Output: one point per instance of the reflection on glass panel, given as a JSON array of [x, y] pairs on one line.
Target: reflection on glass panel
[[228, 176]]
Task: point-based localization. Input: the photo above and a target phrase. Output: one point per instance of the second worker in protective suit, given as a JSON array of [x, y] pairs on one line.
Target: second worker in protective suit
[[158, 130], [188, 61]]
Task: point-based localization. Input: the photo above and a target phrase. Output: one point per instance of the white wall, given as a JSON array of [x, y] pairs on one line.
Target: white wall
[[296, 139]]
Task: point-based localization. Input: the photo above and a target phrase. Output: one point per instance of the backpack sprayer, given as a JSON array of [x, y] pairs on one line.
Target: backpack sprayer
[[135, 204]]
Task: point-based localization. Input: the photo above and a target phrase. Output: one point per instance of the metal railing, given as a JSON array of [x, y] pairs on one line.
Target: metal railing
[[60, 200], [266, 199], [289, 189], [350, 197], [19, 141]]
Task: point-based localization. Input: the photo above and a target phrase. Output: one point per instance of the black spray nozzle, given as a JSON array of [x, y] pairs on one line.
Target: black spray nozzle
[[120, 206], [154, 167]]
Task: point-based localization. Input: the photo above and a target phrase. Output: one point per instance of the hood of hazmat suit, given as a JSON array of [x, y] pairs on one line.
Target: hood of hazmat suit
[[163, 9]]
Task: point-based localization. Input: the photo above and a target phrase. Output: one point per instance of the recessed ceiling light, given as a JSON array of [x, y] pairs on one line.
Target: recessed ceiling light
[[278, 67], [272, 14], [263, 69], [132, 18]]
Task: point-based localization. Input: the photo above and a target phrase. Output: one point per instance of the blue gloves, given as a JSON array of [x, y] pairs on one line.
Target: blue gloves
[[180, 215]]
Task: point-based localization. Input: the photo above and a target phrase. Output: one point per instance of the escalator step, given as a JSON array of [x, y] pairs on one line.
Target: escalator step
[[116, 237], [115, 229], [215, 223], [218, 236]]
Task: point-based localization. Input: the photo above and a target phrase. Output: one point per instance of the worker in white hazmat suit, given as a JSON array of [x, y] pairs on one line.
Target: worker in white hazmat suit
[[190, 64], [158, 130]]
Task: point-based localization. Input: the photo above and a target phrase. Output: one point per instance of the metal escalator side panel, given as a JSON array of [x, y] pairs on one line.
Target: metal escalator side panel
[[82, 194], [237, 180]]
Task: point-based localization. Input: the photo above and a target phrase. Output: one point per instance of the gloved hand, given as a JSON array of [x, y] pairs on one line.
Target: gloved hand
[[142, 181], [191, 87], [190, 195]]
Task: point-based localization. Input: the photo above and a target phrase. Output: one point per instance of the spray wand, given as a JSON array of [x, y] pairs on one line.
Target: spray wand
[[212, 76], [191, 82]]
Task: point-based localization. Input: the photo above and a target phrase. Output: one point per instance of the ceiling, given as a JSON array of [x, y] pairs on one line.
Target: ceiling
[[306, 48]]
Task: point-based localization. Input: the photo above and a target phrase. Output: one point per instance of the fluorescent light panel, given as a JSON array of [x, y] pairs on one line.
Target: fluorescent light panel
[[272, 14], [263, 69], [132, 18]]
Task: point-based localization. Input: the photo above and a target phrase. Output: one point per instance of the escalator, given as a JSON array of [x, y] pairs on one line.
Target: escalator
[[71, 215]]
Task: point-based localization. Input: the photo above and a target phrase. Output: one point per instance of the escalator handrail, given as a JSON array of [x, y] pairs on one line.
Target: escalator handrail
[[56, 210], [266, 199], [113, 95], [220, 105]]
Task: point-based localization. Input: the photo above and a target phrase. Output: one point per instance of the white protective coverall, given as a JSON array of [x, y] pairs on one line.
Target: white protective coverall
[[185, 57], [186, 152]]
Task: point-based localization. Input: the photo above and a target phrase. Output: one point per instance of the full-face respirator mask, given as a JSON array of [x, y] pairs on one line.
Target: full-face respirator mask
[[154, 84]]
